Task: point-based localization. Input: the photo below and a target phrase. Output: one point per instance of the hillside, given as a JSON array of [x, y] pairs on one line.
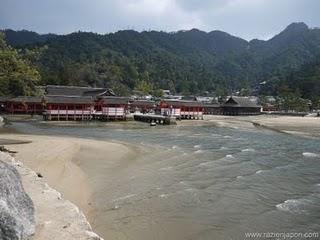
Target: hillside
[[185, 61]]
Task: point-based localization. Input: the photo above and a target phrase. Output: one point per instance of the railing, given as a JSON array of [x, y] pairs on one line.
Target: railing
[[68, 112]]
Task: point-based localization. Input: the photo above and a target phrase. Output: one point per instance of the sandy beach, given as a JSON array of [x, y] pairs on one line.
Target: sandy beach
[[58, 159], [302, 126]]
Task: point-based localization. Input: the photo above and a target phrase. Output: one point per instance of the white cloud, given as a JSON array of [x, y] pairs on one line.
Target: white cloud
[[245, 18]]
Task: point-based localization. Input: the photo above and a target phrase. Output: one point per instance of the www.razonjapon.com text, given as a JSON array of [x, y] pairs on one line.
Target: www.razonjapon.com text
[[282, 235]]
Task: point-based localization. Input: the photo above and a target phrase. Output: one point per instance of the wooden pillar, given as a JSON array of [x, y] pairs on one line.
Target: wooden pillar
[[82, 111], [74, 112], [115, 112], [58, 112], [67, 116]]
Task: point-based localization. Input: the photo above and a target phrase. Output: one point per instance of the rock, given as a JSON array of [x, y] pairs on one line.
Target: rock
[[3, 149], [17, 219], [39, 175]]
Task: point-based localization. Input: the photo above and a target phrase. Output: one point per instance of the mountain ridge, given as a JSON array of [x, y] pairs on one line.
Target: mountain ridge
[[183, 61]]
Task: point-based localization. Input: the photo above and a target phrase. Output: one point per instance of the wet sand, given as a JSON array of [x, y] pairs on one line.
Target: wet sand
[[64, 163], [302, 126]]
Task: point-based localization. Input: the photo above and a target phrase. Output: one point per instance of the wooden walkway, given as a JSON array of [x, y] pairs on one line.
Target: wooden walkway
[[159, 119]]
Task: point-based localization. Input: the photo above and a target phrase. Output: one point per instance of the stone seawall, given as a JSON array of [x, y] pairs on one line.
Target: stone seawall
[[56, 218]]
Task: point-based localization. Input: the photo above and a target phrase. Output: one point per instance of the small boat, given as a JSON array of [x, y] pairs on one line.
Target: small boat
[[152, 124]]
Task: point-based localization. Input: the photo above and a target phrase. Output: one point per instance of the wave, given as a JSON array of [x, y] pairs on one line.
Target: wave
[[248, 150], [174, 147], [260, 171], [124, 197], [227, 136], [199, 151], [204, 164], [293, 205], [229, 156], [196, 146], [163, 195], [224, 148], [215, 135], [310, 154]]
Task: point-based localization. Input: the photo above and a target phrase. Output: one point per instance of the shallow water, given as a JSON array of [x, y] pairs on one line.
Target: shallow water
[[201, 182]]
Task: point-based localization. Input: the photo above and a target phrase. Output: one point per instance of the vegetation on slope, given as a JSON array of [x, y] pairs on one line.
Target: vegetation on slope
[[17, 76]]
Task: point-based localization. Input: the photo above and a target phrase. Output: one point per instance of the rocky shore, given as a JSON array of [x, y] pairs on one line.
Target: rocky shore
[[55, 217]]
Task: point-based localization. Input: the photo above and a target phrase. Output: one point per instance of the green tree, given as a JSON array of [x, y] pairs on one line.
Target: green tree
[[17, 76], [144, 87]]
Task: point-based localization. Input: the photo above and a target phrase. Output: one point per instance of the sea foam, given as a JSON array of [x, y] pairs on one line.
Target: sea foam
[[198, 151], [248, 150], [224, 148], [293, 205], [310, 154], [227, 136]]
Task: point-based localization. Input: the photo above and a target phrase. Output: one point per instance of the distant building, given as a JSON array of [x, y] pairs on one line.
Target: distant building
[[69, 103], [68, 107], [24, 105], [111, 108], [166, 92], [240, 106], [57, 90], [142, 106], [77, 103], [182, 109], [204, 99], [212, 109]]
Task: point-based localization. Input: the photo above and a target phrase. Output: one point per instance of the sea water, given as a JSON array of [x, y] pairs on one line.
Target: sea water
[[201, 182]]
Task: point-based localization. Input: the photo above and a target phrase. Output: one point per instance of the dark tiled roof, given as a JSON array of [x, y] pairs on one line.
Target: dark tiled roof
[[211, 105], [114, 100], [4, 99], [240, 102], [69, 99], [182, 103], [56, 90], [26, 99], [144, 103]]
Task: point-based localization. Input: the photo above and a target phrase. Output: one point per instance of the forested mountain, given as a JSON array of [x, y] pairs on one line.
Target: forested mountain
[[185, 61], [24, 37]]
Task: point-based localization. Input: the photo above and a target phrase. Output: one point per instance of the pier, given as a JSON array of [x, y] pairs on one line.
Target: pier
[[159, 119]]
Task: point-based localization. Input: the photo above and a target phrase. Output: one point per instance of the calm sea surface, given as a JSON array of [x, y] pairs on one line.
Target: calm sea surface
[[201, 182]]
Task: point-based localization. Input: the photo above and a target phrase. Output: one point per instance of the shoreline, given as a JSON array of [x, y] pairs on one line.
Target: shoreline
[[61, 161], [56, 217], [297, 126]]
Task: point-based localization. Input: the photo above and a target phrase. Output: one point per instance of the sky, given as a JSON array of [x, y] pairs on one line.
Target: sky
[[247, 19]]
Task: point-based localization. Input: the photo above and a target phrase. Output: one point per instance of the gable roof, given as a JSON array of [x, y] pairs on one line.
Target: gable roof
[[114, 100], [241, 102], [26, 99], [57, 90], [69, 99], [182, 103], [143, 103], [211, 105]]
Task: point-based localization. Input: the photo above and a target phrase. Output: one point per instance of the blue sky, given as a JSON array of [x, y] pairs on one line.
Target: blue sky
[[244, 18]]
